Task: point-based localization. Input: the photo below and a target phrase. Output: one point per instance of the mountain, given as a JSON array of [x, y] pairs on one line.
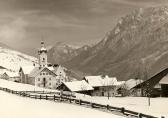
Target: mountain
[[137, 47], [12, 60], [61, 52]]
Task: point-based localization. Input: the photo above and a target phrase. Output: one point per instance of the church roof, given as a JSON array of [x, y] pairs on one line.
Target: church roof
[[37, 70], [43, 49]]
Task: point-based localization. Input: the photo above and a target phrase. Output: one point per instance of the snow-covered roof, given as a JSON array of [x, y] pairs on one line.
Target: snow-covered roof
[[12, 74], [118, 83], [37, 70], [43, 49], [97, 81], [164, 80], [31, 70], [78, 85], [34, 71], [27, 69], [51, 68], [132, 83]]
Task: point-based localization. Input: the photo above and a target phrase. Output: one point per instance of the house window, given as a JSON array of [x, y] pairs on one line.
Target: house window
[[38, 79], [43, 73], [50, 84], [49, 78], [40, 73]]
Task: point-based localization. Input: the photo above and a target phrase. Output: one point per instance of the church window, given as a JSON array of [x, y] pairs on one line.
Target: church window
[[43, 59]]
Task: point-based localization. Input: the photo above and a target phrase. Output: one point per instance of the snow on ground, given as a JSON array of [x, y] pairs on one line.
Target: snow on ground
[[159, 106], [21, 86], [11, 59], [13, 106]]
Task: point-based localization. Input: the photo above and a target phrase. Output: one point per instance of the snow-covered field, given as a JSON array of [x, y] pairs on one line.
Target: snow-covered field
[[21, 87], [13, 106], [159, 106]]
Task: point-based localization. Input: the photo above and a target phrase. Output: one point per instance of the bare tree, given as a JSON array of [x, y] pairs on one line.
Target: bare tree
[[108, 85], [147, 85]]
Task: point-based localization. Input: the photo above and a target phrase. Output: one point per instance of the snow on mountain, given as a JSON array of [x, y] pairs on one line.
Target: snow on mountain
[[12, 60]]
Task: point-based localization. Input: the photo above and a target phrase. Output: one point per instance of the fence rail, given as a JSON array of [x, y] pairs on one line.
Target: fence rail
[[72, 99]]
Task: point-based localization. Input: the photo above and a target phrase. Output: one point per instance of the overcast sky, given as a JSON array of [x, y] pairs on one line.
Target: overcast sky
[[23, 23]]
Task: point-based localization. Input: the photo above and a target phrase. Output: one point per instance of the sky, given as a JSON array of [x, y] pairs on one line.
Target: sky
[[24, 23]]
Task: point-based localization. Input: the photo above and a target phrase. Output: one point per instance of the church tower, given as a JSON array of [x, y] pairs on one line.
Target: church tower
[[42, 52]]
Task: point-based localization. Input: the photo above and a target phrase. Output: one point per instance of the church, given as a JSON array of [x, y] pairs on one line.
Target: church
[[42, 75]]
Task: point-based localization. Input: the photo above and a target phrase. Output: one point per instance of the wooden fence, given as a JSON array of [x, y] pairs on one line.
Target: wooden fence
[[71, 99]]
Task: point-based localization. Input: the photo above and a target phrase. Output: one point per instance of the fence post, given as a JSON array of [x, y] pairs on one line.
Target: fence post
[[139, 115], [79, 102], [107, 107], [40, 97], [69, 100], [46, 97], [54, 97], [23, 94], [122, 110], [92, 105]]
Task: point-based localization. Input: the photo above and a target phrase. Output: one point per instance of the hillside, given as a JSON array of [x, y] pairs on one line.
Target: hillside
[[12, 60], [138, 44]]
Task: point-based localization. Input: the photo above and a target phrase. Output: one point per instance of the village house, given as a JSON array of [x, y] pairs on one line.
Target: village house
[[155, 86], [76, 86], [8, 74], [126, 88], [4, 76], [103, 85], [42, 75]]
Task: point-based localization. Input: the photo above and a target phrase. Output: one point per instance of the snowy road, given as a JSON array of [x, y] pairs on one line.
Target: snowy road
[[13, 106]]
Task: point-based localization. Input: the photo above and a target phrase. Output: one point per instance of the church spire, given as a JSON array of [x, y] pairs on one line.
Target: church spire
[[42, 55]]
